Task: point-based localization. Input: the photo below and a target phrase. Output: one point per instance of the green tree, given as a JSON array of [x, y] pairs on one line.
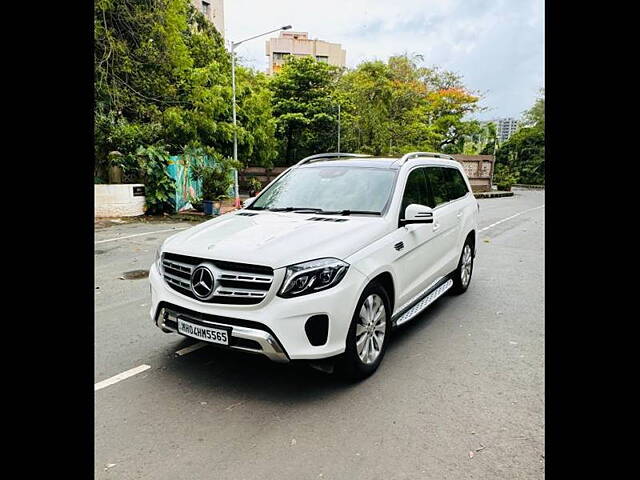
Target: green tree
[[398, 106], [534, 117], [482, 142], [304, 108], [163, 78], [523, 155]]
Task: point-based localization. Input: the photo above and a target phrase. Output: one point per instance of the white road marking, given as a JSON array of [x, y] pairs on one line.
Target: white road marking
[[509, 218], [191, 348], [140, 234], [120, 377]]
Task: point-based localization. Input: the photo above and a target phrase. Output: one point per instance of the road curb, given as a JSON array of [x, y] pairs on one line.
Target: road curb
[[492, 194], [528, 187]]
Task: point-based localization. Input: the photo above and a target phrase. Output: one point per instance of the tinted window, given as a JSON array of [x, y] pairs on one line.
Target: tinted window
[[415, 191], [439, 187], [455, 183]]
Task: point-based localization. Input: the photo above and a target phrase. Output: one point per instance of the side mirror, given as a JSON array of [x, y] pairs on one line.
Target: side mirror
[[248, 202], [415, 213]]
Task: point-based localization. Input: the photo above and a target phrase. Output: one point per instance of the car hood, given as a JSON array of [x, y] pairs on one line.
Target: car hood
[[276, 239]]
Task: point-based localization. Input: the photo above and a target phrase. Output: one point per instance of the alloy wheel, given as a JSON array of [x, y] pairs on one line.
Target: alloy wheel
[[465, 268], [370, 329]]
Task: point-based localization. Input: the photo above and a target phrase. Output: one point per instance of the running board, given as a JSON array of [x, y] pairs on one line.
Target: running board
[[424, 303]]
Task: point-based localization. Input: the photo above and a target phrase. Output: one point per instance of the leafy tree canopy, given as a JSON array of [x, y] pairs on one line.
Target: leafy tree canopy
[[305, 108], [163, 77], [523, 155], [397, 106]]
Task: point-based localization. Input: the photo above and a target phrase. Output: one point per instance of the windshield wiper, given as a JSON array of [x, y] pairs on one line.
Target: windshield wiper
[[348, 212], [295, 209]]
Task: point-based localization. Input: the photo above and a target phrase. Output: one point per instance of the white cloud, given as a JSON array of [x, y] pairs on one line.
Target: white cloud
[[496, 45]]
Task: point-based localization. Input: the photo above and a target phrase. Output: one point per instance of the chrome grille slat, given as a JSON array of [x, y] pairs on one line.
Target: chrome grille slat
[[244, 277], [239, 292], [177, 280], [182, 267]]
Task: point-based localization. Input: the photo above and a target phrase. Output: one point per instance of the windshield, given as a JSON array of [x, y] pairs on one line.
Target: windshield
[[329, 189]]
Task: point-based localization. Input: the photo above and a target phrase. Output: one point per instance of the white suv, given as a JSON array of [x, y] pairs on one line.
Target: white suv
[[332, 254]]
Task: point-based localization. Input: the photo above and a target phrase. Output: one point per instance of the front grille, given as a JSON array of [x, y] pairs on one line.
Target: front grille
[[235, 283]]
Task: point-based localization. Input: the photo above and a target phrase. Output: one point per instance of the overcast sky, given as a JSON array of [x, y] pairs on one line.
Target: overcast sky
[[496, 45]]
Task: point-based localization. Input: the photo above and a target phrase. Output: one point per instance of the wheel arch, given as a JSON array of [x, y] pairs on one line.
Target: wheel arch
[[385, 279], [471, 236]]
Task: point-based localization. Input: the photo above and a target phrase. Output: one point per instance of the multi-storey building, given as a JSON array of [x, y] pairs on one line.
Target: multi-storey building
[[213, 10], [505, 127], [299, 44]]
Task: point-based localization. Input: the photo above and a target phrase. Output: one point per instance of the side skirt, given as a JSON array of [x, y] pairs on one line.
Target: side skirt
[[430, 295]]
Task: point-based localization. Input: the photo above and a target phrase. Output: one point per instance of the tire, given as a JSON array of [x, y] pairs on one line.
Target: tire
[[462, 274], [363, 338]]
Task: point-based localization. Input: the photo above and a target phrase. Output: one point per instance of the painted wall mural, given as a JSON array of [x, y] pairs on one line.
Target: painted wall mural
[[179, 170]]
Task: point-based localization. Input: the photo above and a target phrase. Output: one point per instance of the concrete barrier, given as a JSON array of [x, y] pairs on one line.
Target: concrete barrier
[[529, 187], [119, 200]]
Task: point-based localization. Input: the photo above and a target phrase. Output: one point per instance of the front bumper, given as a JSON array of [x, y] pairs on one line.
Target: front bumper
[[276, 326], [254, 340]]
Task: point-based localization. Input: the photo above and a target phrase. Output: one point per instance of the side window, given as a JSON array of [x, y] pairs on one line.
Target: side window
[[438, 183], [457, 187], [415, 191]]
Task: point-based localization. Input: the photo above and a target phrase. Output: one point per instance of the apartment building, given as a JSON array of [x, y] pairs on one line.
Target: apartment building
[[505, 127], [299, 44], [213, 10]]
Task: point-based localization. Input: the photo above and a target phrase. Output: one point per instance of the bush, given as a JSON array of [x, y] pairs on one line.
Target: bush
[[216, 179], [152, 162], [254, 185], [504, 177]]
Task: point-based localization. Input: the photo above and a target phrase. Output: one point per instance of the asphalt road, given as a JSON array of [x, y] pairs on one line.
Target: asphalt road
[[460, 393]]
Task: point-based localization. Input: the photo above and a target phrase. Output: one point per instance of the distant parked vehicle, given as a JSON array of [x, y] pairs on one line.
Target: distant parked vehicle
[[325, 261]]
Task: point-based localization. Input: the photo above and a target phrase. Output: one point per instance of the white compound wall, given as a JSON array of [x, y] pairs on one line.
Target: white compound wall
[[118, 200]]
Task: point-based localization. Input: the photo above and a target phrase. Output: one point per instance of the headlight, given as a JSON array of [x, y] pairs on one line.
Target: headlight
[[309, 277]]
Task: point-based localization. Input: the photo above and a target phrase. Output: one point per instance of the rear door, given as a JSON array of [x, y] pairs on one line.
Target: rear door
[[465, 207]]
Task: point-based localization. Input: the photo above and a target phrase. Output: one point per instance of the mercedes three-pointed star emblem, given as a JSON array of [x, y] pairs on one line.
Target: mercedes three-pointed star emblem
[[202, 282]]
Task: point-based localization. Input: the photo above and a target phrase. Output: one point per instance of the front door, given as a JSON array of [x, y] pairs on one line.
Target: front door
[[418, 263]]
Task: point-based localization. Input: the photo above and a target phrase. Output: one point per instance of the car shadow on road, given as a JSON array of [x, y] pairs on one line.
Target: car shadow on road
[[253, 376]]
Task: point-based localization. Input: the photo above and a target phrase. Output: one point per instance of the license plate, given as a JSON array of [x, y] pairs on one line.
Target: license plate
[[207, 334]]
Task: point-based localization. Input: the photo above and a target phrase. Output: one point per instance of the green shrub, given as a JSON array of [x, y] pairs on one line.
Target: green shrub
[[254, 185], [216, 179], [504, 177], [152, 163]]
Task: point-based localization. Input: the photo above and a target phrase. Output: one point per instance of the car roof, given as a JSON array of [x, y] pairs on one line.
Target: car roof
[[379, 162]]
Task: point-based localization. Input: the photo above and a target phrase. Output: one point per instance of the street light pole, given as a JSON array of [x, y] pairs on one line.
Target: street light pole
[[338, 128], [233, 89], [235, 133]]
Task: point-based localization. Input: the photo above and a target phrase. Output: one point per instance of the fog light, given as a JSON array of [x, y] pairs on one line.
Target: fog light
[[317, 329]]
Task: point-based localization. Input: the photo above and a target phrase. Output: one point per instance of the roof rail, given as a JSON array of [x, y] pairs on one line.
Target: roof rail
[[411, 155], [330, 155]]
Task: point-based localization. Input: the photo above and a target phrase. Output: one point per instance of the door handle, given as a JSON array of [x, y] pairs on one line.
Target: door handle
[[459, 215], [436, 226]]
